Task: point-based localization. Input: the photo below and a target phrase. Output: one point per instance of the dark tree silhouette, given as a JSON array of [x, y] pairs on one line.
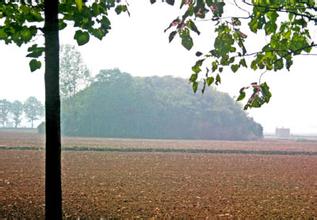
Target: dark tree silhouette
[[53, 188]]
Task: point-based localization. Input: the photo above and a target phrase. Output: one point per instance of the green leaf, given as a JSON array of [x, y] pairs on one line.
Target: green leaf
[[278, 64], [256, 103], [37, 16], [218, 79], [242, 94], [61, 24], [192, 26], [187, 41], [3, 34], [193, 77], [98, 33], [34, 65], [196, 69], [33, 47], [270, 27], [121, 8], [209, 2], [214, 66], [195, 86], [210, 80], [198, 53], [97, 9], [171, 36], [253, 24], [35, 51], [26, 34], [272, 15], [170, 2], [243, 63], [254, 65], [219, 5], [289, 63], [234, 67], [301, 22], [105, 23], [81, 37], [265, 89]]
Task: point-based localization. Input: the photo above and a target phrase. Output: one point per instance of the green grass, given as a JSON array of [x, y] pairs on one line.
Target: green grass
[[169, 150]]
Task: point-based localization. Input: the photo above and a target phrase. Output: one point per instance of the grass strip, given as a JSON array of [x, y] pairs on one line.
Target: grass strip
[[169, 150]]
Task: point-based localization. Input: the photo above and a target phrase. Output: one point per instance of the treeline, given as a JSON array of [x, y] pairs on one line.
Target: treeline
[[119, 105], [12, 113]]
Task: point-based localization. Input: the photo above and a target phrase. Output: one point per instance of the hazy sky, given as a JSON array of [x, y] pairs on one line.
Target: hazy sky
[[138, 45]]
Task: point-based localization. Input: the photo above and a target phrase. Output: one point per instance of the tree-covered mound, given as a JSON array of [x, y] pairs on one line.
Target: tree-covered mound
[[121, 106]]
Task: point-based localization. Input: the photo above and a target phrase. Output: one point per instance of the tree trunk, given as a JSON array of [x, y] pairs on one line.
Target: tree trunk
[[53, 187]]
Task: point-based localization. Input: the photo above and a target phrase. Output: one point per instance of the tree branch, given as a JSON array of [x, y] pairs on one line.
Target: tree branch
[[238, 6], [289, 52], [282, 9]]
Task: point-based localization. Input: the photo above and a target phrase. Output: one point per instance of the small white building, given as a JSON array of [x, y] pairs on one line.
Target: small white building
[[283, 132]]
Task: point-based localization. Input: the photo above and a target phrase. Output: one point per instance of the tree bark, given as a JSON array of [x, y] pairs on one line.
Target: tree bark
[[53, 187]]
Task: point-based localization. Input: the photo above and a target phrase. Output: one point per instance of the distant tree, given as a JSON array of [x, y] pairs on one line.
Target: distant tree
[[16, 110], [119, 105], [33, 109], [4, 111], [74, 74]]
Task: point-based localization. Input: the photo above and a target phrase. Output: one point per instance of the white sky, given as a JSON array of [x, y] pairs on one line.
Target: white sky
[[138, 45]]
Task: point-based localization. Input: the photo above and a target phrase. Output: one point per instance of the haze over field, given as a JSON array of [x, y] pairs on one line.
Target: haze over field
[[138, 45], [131, 128]]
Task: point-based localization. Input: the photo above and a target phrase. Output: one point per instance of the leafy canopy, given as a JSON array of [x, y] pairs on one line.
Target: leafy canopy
[[21, 21], [287, 24]]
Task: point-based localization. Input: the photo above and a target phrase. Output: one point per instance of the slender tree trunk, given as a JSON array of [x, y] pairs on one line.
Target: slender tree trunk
[[53, 187]]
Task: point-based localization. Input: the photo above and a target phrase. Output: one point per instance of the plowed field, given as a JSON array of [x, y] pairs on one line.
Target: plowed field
[[103, 185]]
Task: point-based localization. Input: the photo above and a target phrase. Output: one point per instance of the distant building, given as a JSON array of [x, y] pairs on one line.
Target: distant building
[[283, 132]]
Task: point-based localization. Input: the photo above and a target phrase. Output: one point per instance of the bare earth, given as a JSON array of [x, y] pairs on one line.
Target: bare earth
[[162, 185], [27, 139]]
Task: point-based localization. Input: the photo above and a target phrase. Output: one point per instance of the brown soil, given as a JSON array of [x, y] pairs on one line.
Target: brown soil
[[107, 185], [145, 185], [31, 139]]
